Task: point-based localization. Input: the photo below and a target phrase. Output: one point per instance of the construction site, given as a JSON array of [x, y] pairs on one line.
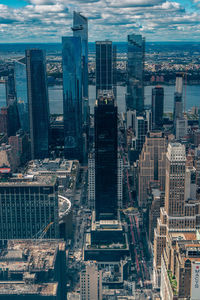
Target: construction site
[[33, 268]]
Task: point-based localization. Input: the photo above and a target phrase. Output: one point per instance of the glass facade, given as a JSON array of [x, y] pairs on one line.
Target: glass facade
[[135, 70], [106, 167], [21, 93], [104, 66], [38, 103], [72, 96], [80, 29], [157, 107]]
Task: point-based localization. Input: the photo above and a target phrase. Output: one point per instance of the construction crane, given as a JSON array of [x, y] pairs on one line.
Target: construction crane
[[40, 235]]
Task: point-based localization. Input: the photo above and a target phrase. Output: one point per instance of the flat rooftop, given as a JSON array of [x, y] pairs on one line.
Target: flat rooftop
[[48, 165], [114, 225], [27, 180], [30, 255], [16, 288], [114, 246]]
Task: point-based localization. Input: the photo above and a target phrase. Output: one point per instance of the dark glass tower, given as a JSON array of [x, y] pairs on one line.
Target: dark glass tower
[[21, 92], [104, 66], [106, 149], [178, 101], [72, 97], [135, 70], [12, 110], [38, 103], [157, 107], [80, 29], [10, 86]]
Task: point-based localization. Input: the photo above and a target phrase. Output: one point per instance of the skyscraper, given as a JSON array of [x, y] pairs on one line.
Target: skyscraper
[[135, 70], [141, 129], [12, 110], [104, 66], [175, 180], [157, 107], [178, 101], [180, 122], [152, 165], [21, 93], [38, 103], [34, 206], [180, 212], [106, 157], [91, 282], [10, 85], [72, 96], [80, 29]]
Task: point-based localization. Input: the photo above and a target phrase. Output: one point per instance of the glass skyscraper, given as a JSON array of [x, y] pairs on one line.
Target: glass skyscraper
[[135, 70], [80, 29], [157, 107], [72, 96], [106, 157], [38, 103], [104, 66], [21, 93]]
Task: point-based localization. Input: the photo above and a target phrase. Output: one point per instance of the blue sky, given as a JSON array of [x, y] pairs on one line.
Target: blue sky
[[48, 20]]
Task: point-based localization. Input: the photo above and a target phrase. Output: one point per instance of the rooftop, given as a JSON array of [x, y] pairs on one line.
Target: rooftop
[[27, 180], [29, 255], [48, 165], [16, 288], [113, 225]]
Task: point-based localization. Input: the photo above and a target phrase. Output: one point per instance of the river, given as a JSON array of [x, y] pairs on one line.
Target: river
[[192, 93]]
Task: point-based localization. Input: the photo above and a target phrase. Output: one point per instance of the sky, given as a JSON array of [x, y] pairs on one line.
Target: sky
[[48, 20]]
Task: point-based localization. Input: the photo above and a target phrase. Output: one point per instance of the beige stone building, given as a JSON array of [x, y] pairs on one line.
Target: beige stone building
[[182, 252], [152, 164], [179, 213], [91, 283]]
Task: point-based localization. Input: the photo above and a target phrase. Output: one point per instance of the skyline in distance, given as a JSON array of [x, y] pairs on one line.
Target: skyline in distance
[[48, 20]]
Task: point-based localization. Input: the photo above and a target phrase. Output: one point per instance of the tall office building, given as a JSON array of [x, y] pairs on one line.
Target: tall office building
[[91, 283], [180, 212], [13, 117], [80, 29], [106, 157], [21, 93], [180, 122], [29, 204], [10, 85], [135, 70], [104, 66], [157, 107], [181, 128], [38, 103], [72, 96], [152, 165], [199, 116], [175, 180], [178, 97], [12, 110], [141, 129]]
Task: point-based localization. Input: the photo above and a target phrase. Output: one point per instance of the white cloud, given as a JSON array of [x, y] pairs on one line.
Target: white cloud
[[48, 20]]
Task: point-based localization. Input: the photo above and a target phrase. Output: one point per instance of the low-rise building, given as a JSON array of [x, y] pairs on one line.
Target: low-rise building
[[65, 170], [33, 269], [106, 242]]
